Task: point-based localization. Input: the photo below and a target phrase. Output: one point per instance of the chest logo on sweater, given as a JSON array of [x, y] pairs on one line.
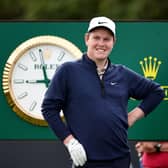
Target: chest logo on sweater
[[113, 83], [150, 67]]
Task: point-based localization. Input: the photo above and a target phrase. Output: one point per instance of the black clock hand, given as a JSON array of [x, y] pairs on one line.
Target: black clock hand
[[46, 80]]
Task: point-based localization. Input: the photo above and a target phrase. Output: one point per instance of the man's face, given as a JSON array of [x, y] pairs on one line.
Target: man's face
[[99, 43]]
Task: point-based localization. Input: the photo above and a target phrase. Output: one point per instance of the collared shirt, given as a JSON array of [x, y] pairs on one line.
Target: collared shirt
[[101, 72]]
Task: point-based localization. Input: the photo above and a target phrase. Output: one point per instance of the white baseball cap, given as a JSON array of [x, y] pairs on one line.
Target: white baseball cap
[[102, 22]]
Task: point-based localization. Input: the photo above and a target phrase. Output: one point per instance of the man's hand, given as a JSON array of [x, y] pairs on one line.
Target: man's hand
[[76, 151]]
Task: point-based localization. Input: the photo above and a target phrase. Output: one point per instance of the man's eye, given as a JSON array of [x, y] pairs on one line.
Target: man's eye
[[96, 38], [106, 39]]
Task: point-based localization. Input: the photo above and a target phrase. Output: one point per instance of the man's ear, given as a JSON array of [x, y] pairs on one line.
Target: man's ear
[[86, 37], [114, 39]]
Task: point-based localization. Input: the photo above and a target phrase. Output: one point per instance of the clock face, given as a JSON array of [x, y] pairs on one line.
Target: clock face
[[29, 70]]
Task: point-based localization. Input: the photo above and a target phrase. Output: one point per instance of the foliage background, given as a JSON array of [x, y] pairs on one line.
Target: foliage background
[[83, 9]]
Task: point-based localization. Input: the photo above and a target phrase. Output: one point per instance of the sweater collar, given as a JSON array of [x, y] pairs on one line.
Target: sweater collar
[[91, 62]]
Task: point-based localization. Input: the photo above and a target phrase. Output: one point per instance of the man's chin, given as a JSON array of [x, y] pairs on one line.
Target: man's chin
[[101, 57]]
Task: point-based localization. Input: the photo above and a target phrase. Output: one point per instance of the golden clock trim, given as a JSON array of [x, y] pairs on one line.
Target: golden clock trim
[[16, 54], [44, 40]]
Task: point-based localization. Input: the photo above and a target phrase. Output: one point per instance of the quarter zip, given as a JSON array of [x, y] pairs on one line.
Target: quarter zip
[[102, 87], [92, 64], [101, 81]]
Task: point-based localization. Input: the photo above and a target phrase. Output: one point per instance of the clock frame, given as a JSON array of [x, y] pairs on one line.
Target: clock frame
[[17, 54]]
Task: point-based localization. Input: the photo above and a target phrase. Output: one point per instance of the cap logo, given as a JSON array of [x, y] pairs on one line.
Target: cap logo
[[101, 22]]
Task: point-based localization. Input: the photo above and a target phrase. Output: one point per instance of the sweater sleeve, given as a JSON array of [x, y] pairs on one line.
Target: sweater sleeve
[[53, 103], [149, 92]]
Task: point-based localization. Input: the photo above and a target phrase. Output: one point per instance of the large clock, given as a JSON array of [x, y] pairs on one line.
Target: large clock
[[28, 72]]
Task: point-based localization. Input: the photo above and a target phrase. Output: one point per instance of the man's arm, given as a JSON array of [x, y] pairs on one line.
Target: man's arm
[[135, 115]]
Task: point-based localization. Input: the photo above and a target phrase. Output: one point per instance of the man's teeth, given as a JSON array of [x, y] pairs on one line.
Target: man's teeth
[[100, 50]]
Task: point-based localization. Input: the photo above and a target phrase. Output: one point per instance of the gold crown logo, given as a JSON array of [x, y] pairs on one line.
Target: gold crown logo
[[150, 67]]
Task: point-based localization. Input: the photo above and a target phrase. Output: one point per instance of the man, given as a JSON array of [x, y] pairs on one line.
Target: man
[[93, 94]]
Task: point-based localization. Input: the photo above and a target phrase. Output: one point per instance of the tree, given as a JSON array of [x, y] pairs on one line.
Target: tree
[[77, 9]]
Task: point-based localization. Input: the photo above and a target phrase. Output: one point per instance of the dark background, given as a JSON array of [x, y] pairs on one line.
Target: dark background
[[41, 154]]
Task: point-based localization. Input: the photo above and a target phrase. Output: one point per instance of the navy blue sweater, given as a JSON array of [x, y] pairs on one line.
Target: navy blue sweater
[[96, 110]]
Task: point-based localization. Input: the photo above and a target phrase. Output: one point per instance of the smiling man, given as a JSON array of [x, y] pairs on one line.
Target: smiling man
[[93, 94]]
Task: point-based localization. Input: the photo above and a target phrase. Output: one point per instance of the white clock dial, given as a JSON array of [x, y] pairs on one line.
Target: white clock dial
[[29, 71]]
